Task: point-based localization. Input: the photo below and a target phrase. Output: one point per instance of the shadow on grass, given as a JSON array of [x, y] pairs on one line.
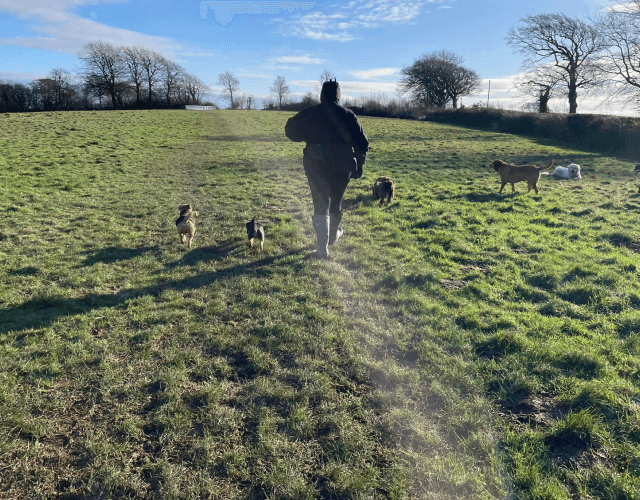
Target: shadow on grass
[[480, 197], [205, 254], [350, 203], [25, 271], [114, 254], [43, 311]]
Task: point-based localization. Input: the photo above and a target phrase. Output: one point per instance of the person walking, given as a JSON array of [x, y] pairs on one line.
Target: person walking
[[336, 151]]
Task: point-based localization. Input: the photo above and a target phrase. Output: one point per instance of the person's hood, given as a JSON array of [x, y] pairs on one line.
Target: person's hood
[[330, 92]]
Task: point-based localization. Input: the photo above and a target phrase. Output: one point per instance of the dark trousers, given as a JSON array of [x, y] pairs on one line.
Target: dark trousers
[[328, 181]]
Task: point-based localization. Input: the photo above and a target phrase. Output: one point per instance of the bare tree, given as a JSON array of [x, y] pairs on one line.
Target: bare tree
[[195, 88], [249, 100], [437, 79], [171, 73], [62, 89], [239, 102], [44, 92], [94, 88], [543, 84], [133, 60], [460, 81], [280, 89], [325, 76], [152, 63], [620, 29], [7, 97], [104, 61], [22, 96], [268, 103], [230, 84], [308, 100], [569, 44]]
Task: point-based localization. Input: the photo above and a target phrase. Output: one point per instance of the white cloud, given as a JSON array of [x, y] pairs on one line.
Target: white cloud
[[299, 60], [59, 30], [339, 24], [621, 7], [318, 26], [275, 65], [375, 13], [505, 84], [47, 10], [368, 87], [336, 37], [368, 74], [19, 76]]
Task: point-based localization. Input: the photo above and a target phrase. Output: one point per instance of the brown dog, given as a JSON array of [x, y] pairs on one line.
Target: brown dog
[[510, 174], [186, 224], [384, 187]]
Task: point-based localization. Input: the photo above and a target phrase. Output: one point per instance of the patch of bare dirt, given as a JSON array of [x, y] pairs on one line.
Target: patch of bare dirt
[[453, 284], [634, 246], [482, 268], [535, 409]]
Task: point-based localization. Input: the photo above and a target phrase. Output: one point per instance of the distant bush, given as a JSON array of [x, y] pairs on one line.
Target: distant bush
[[604, 133], [610, 134]]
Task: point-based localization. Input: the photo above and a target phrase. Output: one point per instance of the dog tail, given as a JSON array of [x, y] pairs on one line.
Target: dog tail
[[549, 165]]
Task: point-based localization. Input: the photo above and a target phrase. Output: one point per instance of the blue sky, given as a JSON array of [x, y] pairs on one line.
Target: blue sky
[[365, 43]]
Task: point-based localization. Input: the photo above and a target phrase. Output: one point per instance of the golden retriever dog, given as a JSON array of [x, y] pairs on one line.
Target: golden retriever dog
[[186, 224], [510, 174]]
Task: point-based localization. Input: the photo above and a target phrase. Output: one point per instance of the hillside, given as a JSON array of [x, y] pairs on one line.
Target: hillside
[[460, 343]]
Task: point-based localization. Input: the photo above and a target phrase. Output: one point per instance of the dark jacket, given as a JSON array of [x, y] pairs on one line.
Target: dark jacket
[[328, 123]]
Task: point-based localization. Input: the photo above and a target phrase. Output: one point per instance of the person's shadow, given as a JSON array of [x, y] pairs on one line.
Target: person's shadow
[[45, 310]]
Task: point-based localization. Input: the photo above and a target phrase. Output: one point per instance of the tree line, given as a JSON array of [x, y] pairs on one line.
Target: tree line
[[112, 77]]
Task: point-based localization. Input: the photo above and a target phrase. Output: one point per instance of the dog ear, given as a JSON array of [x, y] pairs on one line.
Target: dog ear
[[184, 207]]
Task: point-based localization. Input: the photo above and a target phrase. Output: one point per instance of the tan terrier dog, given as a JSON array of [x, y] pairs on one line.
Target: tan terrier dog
[[186, 224]]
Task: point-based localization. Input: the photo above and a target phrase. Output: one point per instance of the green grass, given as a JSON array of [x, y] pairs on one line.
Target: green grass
[[460, 343]]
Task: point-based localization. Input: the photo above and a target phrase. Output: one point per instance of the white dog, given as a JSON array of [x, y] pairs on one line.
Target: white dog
[[571, 171]]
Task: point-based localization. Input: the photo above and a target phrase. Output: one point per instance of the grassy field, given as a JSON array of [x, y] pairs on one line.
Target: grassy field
[[460, 343]]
